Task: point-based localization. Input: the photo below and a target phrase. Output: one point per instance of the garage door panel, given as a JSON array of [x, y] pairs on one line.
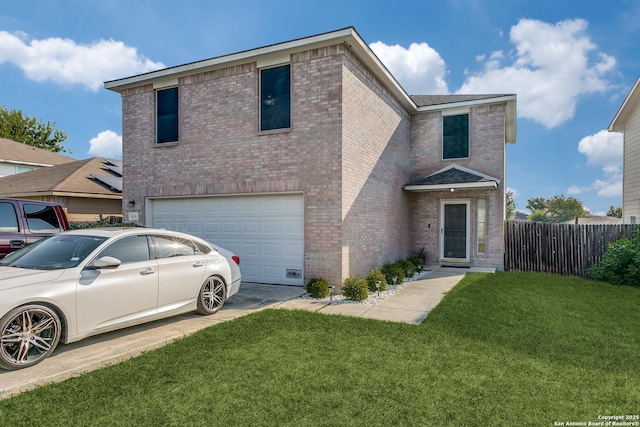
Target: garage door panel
[[267, 232]]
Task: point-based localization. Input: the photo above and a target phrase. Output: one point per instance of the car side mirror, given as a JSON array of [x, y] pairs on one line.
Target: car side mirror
[[106, 262]]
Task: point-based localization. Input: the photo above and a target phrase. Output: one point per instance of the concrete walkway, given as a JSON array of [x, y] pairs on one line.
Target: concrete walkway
[[410, 304]]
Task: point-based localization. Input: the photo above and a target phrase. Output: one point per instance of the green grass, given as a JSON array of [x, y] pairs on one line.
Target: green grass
[[505, 349]]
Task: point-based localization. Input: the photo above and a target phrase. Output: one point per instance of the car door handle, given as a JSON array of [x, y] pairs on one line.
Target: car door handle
[[148, 271], [16, 243], [198, 264]]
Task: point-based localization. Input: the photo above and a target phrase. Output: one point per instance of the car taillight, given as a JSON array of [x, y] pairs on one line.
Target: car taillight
[[236, 259]]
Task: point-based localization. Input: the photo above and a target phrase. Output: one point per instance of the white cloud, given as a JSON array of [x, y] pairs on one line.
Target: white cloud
[[552, 66], [419, 69], [65, 62], [603, 149], [106, 144]]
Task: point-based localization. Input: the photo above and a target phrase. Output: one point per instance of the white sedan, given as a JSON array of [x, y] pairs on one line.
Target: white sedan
[[84, 282]]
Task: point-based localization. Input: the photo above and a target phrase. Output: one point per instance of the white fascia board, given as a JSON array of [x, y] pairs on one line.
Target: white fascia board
[[629, 103], [468, 170], [470, 103], [445, 187], [348, 36]]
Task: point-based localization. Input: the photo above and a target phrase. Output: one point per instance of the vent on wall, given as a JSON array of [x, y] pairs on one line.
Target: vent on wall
[[294, 273]]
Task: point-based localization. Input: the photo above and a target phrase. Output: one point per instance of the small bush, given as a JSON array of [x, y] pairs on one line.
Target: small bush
[[620, 264], [355, 289], [392, 269], [317, 288], [408, 267], [374, 276], [418, 263]]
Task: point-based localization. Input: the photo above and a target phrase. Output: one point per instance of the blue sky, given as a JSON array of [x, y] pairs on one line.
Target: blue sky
[[570, 63]]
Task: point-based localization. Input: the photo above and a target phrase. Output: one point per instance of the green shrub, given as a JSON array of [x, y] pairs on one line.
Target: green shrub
[[317, 288], [408, 267], [374, 276], [620, 264], [418, 263], [392, 269], [355, 289]]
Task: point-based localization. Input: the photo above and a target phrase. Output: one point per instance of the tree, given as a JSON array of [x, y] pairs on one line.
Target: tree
[[537, 204], [510, 206], [539, 216], [555, 209], [561, 209], [615, 211], [30, 131]]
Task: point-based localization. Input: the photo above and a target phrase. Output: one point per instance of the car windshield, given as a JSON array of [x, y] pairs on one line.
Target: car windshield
[[55, 252]]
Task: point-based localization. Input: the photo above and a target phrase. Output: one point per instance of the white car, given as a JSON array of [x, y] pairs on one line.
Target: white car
[[79, 283]]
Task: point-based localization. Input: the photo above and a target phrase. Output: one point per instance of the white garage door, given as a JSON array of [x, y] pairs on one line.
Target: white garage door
[[267, 232]]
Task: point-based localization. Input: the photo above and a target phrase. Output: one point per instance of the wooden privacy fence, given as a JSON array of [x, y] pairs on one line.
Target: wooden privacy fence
[[566, 249]]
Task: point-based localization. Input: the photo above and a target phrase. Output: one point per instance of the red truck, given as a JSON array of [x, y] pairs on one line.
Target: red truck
[[25, 221]]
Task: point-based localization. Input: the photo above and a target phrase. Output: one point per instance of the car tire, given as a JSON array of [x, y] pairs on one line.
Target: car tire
[[28, 334], [212, 295]]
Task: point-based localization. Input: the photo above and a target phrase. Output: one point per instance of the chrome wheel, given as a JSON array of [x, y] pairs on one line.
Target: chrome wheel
[[28, 335], [212, 295]]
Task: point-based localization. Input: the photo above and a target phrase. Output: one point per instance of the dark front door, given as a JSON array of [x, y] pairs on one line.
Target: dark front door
[[454, 238]]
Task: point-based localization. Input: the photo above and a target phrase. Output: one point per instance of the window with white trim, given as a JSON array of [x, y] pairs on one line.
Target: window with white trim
[[482, 226]]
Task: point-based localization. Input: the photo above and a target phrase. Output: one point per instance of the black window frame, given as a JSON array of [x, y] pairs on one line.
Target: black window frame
[[167, 115], [275, 98], [455, 132]]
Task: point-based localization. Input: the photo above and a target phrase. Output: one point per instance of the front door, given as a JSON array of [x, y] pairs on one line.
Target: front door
[[454, 232]]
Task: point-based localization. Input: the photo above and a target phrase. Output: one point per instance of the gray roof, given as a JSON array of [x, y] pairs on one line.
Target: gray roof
[[452, 177]]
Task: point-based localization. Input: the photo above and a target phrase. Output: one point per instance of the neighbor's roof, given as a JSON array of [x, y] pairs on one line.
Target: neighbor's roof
[[629, 104], [279, 54], [23, 154], [96, 177], [451, 178]]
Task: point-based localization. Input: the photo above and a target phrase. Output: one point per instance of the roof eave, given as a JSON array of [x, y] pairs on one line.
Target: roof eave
[[625, 110], [510, 111], [348, 36], [453, 187]]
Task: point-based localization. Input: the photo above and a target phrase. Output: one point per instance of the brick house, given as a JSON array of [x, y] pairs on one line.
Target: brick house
[[308, 159]]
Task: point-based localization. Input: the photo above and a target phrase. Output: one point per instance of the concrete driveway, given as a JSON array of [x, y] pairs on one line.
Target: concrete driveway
[[107, 349]]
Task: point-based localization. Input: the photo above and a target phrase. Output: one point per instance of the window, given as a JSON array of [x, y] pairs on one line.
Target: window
[[41, 219], [8, 218], [167, 115], [275, 102], [455, 136], [128, 249], [482, 226], [169, 246]]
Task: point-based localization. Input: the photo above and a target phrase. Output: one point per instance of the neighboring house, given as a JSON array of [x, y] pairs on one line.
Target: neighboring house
[[87, 189], [16, 157], [627, 120], [308, 159], [594, 220]]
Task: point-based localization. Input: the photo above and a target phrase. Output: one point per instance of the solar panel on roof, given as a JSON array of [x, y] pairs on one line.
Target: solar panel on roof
[[110, 181]]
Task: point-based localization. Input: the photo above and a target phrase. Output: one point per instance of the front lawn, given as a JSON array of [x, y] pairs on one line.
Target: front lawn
[[504, 349]]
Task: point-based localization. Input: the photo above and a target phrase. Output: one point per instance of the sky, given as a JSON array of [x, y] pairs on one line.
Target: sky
[[570, 63]]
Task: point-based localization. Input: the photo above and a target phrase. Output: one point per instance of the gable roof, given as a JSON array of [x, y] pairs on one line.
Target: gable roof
[[80, 178], [279, 53], [20, 153], [453, 177], [629, 104]]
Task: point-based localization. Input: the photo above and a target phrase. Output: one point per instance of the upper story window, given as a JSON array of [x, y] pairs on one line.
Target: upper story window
[[275, 98], [167, 115], [455, 136]]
